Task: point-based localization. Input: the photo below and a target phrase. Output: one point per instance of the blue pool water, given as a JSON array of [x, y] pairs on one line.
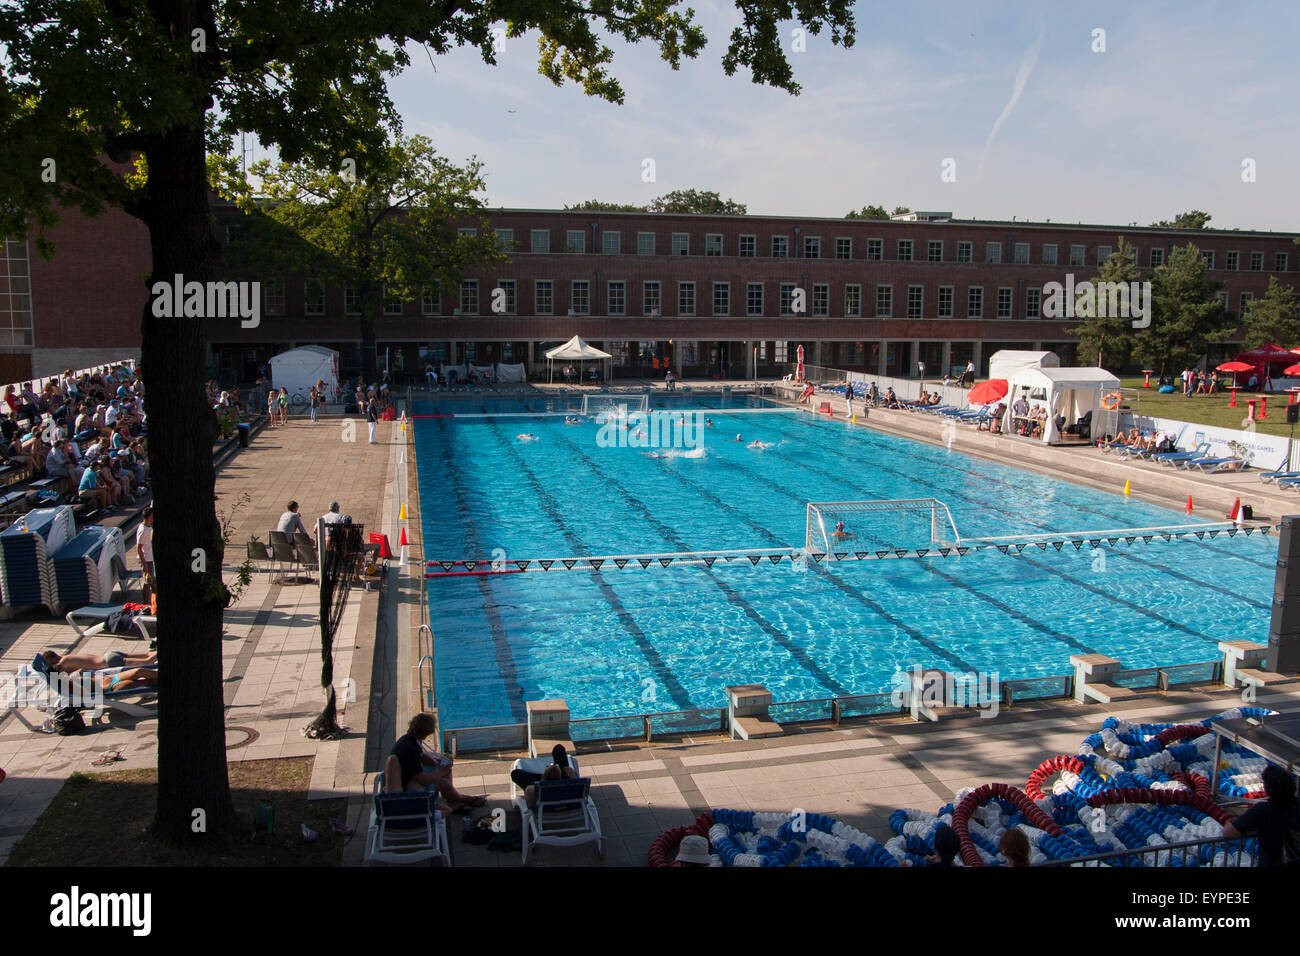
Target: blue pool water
[[636, 641]]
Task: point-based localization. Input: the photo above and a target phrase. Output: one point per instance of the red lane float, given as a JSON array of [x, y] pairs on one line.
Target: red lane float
[[1181, 732], [1143, 795], [668, 841], [1050, 766], [961, 815]]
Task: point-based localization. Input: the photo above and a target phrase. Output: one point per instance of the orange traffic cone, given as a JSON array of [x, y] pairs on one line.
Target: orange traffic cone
[[401, 543], [1189, 504], [1236, 510]]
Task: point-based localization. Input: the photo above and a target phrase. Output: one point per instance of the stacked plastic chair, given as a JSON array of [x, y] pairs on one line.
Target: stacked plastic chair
[[26, 574], [87, 568]]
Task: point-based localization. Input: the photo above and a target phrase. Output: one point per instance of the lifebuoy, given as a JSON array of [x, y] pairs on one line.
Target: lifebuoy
[[1110, 401]]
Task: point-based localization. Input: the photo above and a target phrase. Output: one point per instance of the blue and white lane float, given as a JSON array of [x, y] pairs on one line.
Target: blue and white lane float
[[1129, 786]]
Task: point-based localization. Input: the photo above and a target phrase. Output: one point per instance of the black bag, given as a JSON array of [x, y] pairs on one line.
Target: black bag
[[68, 721]]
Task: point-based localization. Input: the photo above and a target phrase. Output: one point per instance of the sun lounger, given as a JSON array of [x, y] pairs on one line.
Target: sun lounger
[[1268, 476], [1173, 457], [94, 618], [1211, 465], [405, 827], [564, 813], [84, 697]]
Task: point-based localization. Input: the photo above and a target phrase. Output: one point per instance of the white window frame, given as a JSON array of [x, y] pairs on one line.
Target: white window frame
[[852, 290], [725, 289], [711, 238], [909, 246], [919, 292], [641, 249], [685, 286], [848, 248], [888, 291], [550, 289], [940, 312], [573, 296], [975, 290], [544, 235], [622, 294], [617, 243]]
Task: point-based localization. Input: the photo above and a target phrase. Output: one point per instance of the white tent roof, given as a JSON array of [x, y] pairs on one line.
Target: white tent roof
[[1065, 378], [575, 348], [302, 352], [1003, 363]]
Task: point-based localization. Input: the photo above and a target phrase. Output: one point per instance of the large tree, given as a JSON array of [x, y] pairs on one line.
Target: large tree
[[388, 229], [1273, 318], [1195, 219], [697, 201], [1107, 337], [868, 212], [116, 103], [1185, 314]]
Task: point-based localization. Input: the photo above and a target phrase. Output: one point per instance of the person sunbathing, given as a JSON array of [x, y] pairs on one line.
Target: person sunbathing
[[72, 663], [131, 679]]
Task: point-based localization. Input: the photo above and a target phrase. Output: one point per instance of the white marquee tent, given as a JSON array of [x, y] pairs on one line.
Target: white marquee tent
[[1005, 363], [299, 369], [574, 350], [1071, 393]]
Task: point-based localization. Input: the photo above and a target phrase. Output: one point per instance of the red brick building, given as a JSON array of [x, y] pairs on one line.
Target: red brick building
[[706, 295]]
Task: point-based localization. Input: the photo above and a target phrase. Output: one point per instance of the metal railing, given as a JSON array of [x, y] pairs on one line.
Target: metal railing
[[1237, 852]]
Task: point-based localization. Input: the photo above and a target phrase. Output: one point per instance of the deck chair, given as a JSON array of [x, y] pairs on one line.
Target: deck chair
[[1210, 465], [405, 827], [283, 550], [1173, 457], [58, 698], [306, 550], [1278, 474], [95, 618], [564, 814]]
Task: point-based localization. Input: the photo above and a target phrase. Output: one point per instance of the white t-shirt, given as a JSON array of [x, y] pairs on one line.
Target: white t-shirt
[[331, 517], [144, 540], [110, 416]]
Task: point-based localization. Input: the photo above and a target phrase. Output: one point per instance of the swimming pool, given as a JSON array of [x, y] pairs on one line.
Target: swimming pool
[[665, 639]]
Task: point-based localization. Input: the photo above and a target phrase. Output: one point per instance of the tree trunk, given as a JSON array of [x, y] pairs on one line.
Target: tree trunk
[[188, 548]]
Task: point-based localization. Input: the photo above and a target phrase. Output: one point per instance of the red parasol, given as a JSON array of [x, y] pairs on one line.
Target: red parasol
[[989, 391]]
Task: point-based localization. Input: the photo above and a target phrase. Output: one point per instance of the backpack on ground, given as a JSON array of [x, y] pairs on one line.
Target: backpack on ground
[[68, 721]]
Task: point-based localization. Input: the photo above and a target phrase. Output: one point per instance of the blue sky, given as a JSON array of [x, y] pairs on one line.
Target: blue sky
[[1158, 123]]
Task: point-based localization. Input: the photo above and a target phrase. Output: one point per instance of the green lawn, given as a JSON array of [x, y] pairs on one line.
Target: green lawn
[[1206, 409]]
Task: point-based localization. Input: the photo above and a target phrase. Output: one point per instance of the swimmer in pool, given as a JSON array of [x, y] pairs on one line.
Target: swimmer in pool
[[527, 437], [737, 438], [839, 534], [708, 423], [571, 421], [758, 445]]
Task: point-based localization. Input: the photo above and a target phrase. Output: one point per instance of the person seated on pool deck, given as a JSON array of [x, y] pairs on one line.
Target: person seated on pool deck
[[1276, 821], [291, 521], [411, 767], [559, 769], [1014, 845], [72, 663], [946, 846], [805, 397]]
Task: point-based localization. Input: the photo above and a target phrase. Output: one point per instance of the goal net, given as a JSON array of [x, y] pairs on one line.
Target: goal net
[[904, 523], [605, 407]]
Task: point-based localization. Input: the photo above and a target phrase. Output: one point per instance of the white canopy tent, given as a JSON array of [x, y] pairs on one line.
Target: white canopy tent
[[573, 350], [300, 368], [1069, 393], [1006, 362]]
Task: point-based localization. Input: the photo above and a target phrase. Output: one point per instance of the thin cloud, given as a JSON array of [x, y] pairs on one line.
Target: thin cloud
[[1022, 78]]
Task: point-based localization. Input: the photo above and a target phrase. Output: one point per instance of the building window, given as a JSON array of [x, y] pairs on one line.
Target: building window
[[273, 296], [945, 302], [934, 250], [686, 298], [884, 301], [1257, 262], [1279, 262], [650, 298], [781, 352], [1022, 253], [580, 297], [713, 244], [876, 249], [469, 297], [392, 304], [904, 250], [748, 245], [975, 302], [431, 298], [754, 298], [722, 298], [787, 298], [539, 240], [843, 248], [575, 240], [544, 297], [313, 296], [1077, 254], [617, 298], [1049, 254], [351, 299], [780, 247], [993, 252], [965, 251], [611, 242], [821, 299], [1158, 259], [812, 247], [645, 243], [1033, 303], [1103, 255], [853, 300], [681, 244], [506, 240], [1245, 300], [1004, 302], [1208, 256], [915, 299]]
